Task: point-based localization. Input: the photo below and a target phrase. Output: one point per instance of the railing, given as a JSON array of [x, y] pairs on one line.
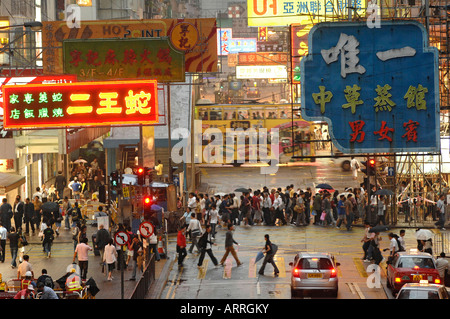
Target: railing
[[441, 244], [147, 278]]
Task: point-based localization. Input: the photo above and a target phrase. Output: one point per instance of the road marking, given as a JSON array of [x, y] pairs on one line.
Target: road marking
[[203, 269], [252, 268], [354, 288], [258, 288], [227, 268], [279, 261], [360, 267]]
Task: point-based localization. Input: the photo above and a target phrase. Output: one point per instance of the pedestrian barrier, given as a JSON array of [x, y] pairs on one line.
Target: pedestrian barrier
[[441, 244], [146, 280]]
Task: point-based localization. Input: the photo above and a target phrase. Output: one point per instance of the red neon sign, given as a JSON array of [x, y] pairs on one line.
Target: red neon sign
[[80, 104]]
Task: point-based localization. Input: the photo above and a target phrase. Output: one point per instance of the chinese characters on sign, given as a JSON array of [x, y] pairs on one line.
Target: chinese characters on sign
[[118, 59], [286, 12], [376, 97], [80, 104]]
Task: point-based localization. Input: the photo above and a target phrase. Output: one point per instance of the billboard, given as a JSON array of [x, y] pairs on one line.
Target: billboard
[[226, 44], [108, 59], [80, 104], [286, 12], [196, 37], [299, 48], [261, 72], [377, 88]]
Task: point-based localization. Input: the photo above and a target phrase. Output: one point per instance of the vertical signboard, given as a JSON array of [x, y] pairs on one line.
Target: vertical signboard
[[376, 87]]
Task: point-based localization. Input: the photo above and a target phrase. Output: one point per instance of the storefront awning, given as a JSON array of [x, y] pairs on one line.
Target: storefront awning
[[9, 182]]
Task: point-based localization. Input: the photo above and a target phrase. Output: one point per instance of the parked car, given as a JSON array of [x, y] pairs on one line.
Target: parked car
[[314, 271]]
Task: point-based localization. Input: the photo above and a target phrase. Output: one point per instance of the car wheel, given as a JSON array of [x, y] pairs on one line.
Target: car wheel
[[346, 165]]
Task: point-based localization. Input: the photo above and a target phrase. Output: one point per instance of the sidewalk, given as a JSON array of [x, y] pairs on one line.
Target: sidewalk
[[60, 260]]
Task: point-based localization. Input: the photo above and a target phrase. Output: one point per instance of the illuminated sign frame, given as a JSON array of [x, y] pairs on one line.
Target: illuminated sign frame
[[261, 72], [80, 104]]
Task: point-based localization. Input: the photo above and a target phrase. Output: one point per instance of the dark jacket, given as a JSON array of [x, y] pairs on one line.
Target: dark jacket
[[229, 241], [60, 183], [29, 211], [102, 238]]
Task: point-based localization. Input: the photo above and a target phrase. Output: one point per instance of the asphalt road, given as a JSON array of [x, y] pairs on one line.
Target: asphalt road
[[232, 282]]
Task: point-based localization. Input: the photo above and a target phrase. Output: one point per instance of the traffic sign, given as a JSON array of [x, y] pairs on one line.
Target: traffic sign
[[121, 238], [391, 171], [146, 229], [377, 88]]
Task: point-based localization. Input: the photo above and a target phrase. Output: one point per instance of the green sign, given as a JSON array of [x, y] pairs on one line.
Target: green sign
[[111, 59]]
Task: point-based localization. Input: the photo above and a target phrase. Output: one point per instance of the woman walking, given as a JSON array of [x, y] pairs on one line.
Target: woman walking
[[110, 257]]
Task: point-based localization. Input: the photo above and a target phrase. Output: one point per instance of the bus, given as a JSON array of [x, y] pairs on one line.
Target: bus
[[294, 134]]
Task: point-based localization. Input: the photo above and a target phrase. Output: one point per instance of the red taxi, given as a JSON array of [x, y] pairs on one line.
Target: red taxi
[[411, 267]]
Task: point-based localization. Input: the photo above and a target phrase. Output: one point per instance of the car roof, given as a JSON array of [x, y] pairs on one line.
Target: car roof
[[305, 254], [414, 254], [416, 285]]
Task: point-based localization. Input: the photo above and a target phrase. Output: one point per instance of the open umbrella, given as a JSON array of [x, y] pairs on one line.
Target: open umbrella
[[345, 194], [242, 190], [424, 234], [220, 194], [80, 160], [385, 192], [378, 229], [259, 256], [324, 186], [50, 207]]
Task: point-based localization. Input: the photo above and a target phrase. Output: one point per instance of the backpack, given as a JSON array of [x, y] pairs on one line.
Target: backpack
[[48, 281], [274, 248]]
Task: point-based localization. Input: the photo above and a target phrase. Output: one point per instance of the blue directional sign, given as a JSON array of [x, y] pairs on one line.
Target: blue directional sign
[[391, 171], [377, 88]]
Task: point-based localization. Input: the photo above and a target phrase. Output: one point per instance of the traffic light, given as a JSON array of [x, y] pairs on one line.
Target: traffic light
[[114, 179], [140, 172], [370, 165], [147, 203]]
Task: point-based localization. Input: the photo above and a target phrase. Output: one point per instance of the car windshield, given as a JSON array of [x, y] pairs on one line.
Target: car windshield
[[418, 294], [411, 262], [314, 263]]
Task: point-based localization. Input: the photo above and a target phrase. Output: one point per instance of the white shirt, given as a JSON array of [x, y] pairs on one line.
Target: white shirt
[[192, 202], [3, 233], [441, 265], [82, 251], [267, 202], [393, 245], [214, 216], [110, 254], [277, 202]]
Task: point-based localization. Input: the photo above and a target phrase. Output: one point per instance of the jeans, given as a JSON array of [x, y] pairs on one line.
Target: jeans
[[135, 266], [441, 221], [213, 229], [349, 221], [83, 268], [194, 243], [47, 247], [154, 247], [14, 251]]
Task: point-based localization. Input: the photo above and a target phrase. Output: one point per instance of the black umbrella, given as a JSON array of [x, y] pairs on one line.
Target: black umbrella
[[50, 207], [378, 229], [242, 190], [385, 192], [324, 186]]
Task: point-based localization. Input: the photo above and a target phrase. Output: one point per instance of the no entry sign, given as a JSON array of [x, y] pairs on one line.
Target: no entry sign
[[146, 229]]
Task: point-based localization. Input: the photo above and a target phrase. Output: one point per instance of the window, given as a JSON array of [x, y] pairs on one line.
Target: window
[[315, 263]]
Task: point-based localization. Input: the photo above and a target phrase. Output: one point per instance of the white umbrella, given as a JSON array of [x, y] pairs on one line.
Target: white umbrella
[[345, 194], [80, 160], [424, 234], [220, 194]]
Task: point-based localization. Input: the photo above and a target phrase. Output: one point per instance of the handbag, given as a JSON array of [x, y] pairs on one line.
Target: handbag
[[24, 241], [196, 232], [322, 217]]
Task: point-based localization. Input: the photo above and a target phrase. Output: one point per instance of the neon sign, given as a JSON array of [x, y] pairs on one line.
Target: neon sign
[[80, 104]]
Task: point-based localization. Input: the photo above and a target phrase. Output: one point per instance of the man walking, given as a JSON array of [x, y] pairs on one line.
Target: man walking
[[82, 252], [6, 213], [205, 243], [60, 183], [18, 212], [229, 241], [441, 206], [349, 211], [270, 253], [13, 237], [3, 236], [28, 218]]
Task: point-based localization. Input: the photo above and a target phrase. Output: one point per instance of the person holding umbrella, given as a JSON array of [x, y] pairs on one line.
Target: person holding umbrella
[[270, 253]]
